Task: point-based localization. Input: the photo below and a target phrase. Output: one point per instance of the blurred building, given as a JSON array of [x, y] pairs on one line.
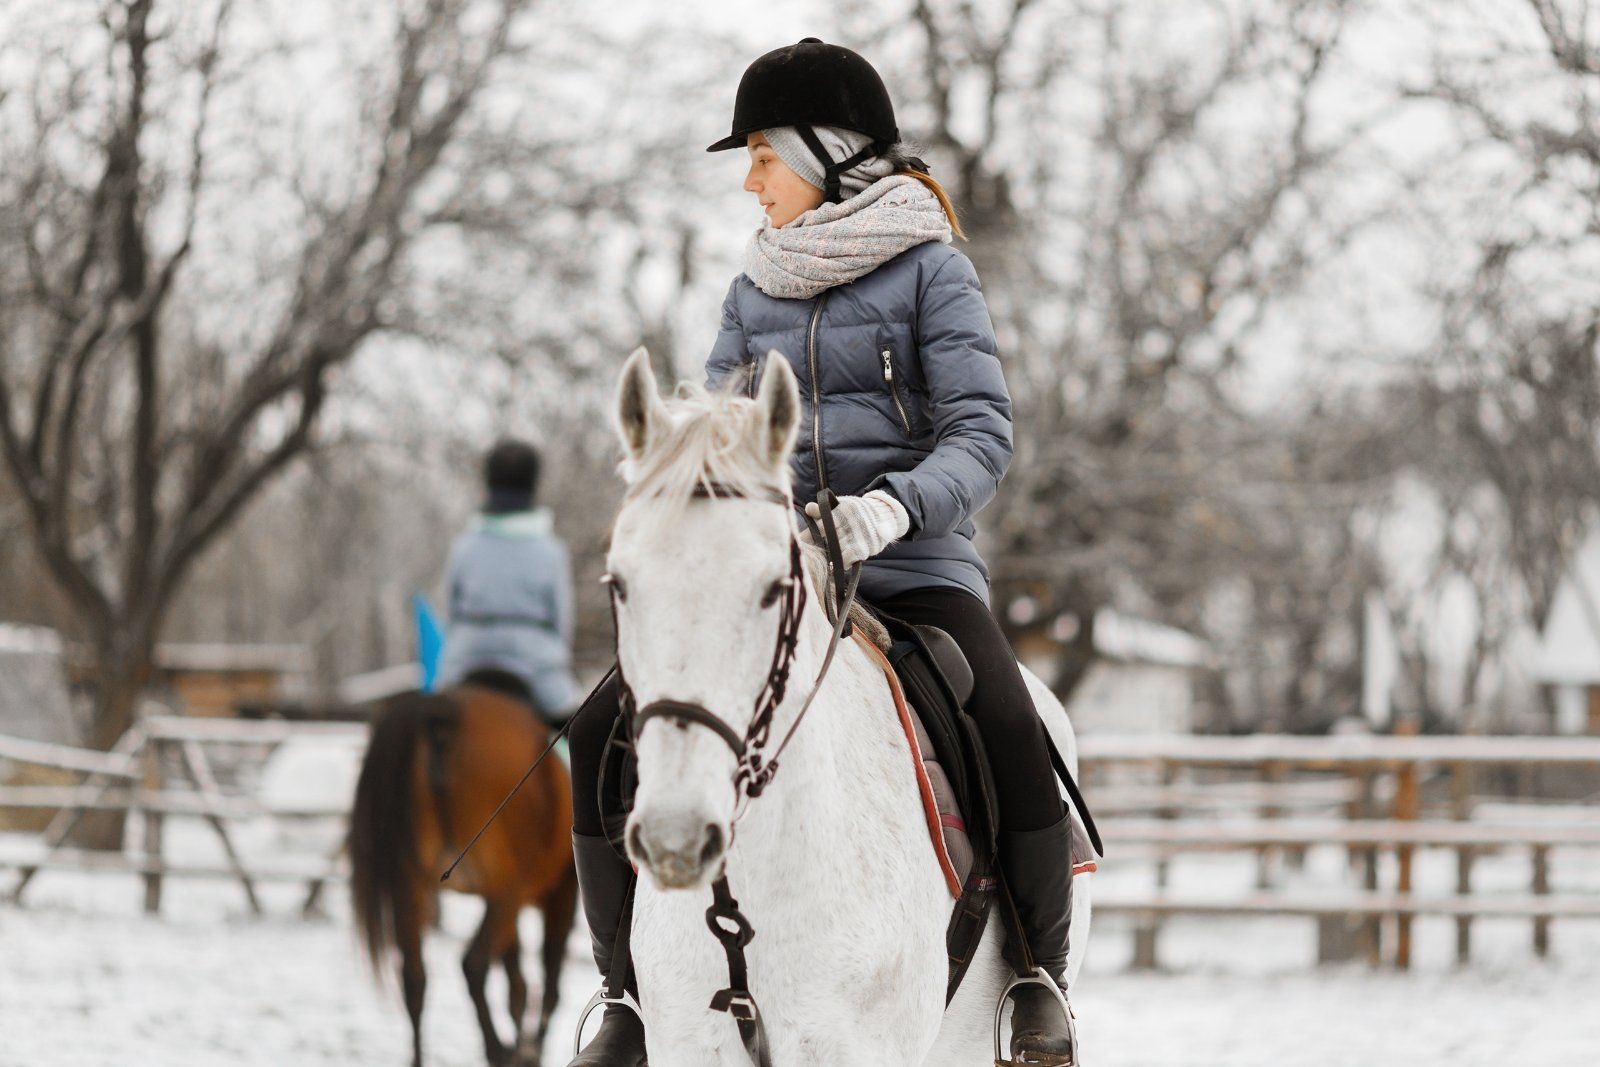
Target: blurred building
[[35, 702], [1142, 680], [219, 679], [1447, 638], [1568, 660]]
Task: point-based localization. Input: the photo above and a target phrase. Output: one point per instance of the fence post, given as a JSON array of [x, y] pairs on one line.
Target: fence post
[[153, 828], [1367, 808], [1541, 887], [1149, 924], [1272, 775], [1406, 803], [1461, 807]]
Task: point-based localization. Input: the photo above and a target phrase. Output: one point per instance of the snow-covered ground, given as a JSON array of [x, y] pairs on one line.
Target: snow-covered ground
[[88, 981]]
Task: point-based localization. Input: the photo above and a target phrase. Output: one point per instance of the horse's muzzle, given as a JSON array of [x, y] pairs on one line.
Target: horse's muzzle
[[681, 849]]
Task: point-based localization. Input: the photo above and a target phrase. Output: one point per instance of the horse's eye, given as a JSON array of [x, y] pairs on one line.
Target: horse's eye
[[618, 587], [775, 592]]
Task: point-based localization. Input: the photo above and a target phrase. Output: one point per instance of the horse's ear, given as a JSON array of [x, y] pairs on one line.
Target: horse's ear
[[779, 406], [639, 407]]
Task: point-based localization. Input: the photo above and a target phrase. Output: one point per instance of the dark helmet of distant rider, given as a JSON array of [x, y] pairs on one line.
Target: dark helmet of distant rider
[[511, 475]]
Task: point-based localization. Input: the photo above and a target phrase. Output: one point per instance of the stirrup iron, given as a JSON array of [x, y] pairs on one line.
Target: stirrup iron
[[1038, 977], [600, 1000]]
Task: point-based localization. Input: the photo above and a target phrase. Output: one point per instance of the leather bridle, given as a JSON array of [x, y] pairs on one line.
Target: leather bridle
[[756, 768]]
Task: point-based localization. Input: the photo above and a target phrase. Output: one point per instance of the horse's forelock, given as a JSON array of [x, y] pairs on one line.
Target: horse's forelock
[[709, 440]]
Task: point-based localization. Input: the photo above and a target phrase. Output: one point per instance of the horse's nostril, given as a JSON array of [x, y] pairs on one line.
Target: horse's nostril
[[636, 844], [713, 846]]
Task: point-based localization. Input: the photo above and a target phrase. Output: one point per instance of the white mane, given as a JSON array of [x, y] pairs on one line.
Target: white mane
[[707, 443], [704, 444]]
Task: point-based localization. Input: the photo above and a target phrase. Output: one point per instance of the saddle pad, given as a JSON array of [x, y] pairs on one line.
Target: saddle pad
[[946, 829]]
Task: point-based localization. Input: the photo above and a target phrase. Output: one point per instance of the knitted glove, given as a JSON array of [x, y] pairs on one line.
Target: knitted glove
[[866, 524]]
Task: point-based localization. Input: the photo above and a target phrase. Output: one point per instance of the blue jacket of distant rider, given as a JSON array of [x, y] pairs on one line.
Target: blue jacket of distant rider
[[510, 604], [902, 390]]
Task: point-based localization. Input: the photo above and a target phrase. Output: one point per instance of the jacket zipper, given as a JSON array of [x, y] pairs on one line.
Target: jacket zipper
[[894, 391], [816, 392]]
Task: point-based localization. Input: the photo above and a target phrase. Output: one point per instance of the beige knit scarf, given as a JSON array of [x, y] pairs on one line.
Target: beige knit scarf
[[838, 243]]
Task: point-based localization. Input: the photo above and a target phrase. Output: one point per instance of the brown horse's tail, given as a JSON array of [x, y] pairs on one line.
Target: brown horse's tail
[[384, 867]]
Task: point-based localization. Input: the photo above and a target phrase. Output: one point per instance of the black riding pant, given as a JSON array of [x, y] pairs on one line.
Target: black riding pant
[[1012, 731]]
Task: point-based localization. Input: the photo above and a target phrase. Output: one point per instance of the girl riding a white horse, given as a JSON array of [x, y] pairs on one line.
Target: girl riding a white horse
[[904, 414]]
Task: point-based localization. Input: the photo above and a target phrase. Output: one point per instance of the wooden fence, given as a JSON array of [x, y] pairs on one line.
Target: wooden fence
[[163, 768], [1366, 795], [1158, 798]]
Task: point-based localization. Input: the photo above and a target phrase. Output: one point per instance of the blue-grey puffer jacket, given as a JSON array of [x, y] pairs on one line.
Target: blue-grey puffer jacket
[[901, 390], [510, 590]]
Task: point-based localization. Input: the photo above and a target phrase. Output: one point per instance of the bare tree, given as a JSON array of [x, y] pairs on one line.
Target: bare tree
[[1134, 239], [133, 434], [1513, 381]]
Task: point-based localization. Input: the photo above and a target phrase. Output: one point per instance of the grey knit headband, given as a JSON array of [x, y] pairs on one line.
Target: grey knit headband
[[840, 144]]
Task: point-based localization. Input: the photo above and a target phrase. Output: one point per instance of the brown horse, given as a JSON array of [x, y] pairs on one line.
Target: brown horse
[[436, 766]]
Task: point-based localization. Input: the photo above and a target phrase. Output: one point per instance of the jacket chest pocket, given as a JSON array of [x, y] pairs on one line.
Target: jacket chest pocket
[[755, 363], [897, 383]]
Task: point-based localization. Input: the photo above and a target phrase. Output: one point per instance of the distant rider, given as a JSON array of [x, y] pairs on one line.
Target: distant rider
[[510, 592]]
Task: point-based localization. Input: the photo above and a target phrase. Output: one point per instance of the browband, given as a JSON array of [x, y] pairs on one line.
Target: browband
[[722, 491]]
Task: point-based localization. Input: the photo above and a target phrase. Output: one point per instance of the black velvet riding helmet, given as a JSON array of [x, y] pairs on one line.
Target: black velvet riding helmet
[[811, 84]]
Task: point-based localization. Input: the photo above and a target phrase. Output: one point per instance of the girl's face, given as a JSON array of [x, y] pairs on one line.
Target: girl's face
[[784, 195]]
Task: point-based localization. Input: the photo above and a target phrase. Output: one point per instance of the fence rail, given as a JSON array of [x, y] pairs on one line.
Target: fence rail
[[162, 768], [63, 757], [1258, 750], [1360, 794], [1370, 789]]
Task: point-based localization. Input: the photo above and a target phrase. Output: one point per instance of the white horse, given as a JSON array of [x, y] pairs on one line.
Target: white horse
[[832, 864]]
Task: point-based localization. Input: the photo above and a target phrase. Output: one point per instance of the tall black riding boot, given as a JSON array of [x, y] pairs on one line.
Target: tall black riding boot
[[1038, 870], [605, 881]]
